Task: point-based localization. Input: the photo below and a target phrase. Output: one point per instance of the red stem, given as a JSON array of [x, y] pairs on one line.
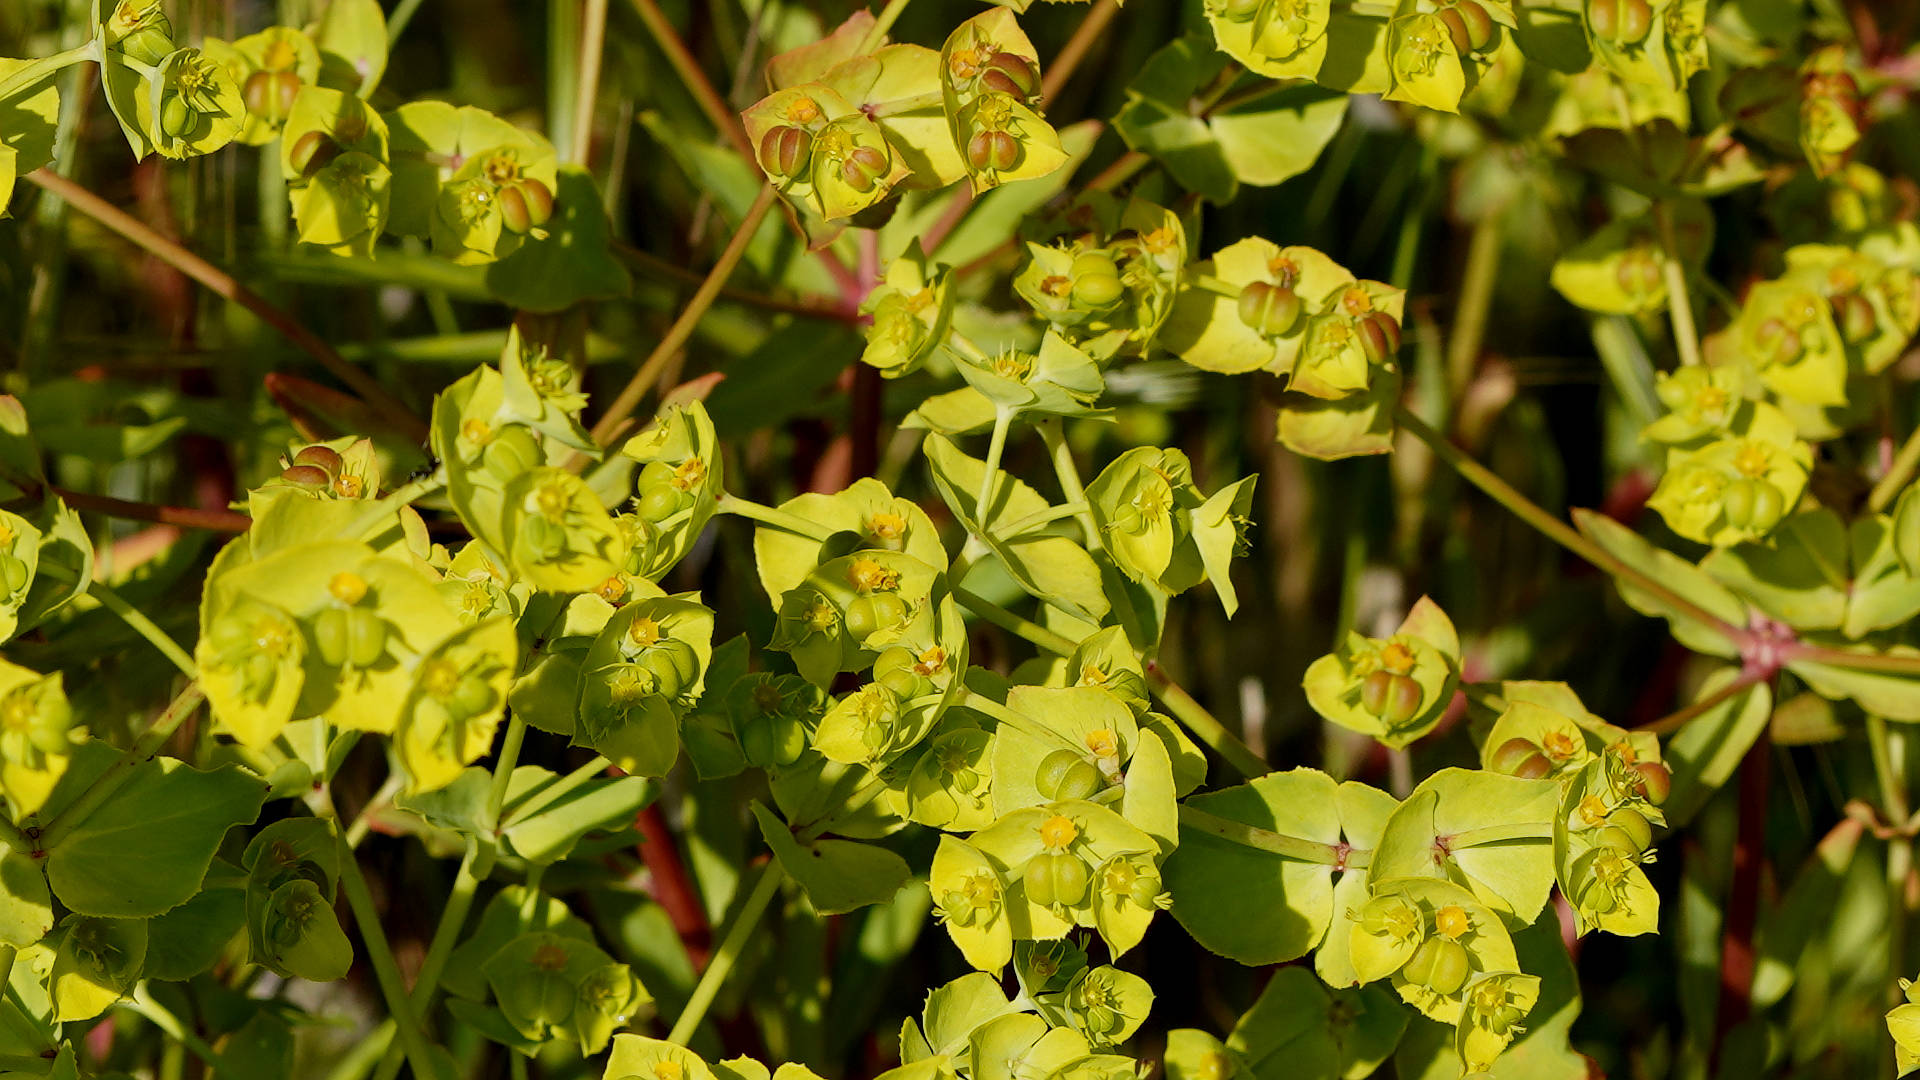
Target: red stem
[[672, 887], [1743, 900]]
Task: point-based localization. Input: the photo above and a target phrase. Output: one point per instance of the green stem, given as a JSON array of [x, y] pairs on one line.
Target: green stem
[[559, 789], [877, 33], [157, 1015], [503, 768], [474, 867], [1022, 722], [1292, 847], [1898, 475], [14, 1014], [728, 954], [1209, 283], [1054, 434], [964, 345], [15, 841], [393, 502], [1040, 517], [118, 773], [402, 15], [593, 39], [767, 515], [1686, 338], [908, 104], [1204, 725], [996, 447], [1476, 299], [44, 68], [614, 420], [413, 1040], [1015, 624], [145, 627], [1559, 531], [1500, 834]]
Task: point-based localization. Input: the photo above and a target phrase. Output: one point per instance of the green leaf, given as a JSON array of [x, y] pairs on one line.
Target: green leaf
[[1680, 577], [191, 938], [1249, 905], [1300, 1028], [543, 828], [1797, 575], [838, 875], [1426, 837], [26, 909], [145, 850], [460, 806]]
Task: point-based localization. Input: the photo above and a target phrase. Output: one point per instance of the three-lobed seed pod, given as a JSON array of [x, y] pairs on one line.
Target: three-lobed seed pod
[[877, 611], [863, 168], [525, 204], [1621, 22], [312, 152], [1469, 25], [270, 94], [1065, 774], [314, 467], [1749, 503], [786, 150], [1522, 758], [349, 637], [997, 151], [1379, 336], [1010, 74], [1056, 878], [1096, 280], [1439, 964], [1269, 309], [1391, 697]]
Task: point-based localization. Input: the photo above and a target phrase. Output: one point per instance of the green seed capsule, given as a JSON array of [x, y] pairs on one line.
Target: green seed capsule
[[472, 696], [1856, 318], [869, 614], [366, 637], [544, 540], [660, 504], [1597, 898], [1768, 505], [177, 118], [1056, 878], [1240, 10], [538, 198], [673, 664], [513, 451], [1634, 824], [1456, 25], [1439, 964], [14, 572], [255, 92], [332, 639], [1603, 16], [1270, 310], [1143, 892], [1736, 503]]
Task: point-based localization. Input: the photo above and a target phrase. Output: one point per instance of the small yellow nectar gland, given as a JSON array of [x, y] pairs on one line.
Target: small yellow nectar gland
[[347, 587], [868, 575], [1058, 831], [1396, 658], [1452, 922], [1102, 743]]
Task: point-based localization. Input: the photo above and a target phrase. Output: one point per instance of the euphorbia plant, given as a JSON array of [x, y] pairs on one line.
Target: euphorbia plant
[[503, 615]]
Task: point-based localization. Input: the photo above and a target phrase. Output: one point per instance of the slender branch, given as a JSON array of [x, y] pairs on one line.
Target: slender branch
[[1884, 663], [1500, 834], [223, 284], [1898, 475], [145, 627], [681, 59], [1053, 434], [1292, 847], [1679, 718], [722, 963], [1203, 724], [44, 68], [474, 867], [676, 336], [118, 773], [1067, 61], [1556, 530], [877, 33], [419, 1052], [996, 448], [767, 515], [503, 768], [1679, 302], [1469, 329], [593, 40], [156, 1014], [1019, 626], [186, 517], [818, 307]]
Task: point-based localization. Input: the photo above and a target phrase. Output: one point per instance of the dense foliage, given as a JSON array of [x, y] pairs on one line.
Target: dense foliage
[[1041, 632]]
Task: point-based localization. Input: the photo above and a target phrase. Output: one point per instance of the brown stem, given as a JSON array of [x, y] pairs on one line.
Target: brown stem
[[692, 76], [1090, 28], [226, 521], [1677, 719], [223, 284], [810, 307], [614, 420], [672, 887]]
